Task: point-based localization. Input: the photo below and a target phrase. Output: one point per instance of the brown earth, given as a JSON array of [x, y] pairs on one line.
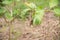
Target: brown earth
[[48, 30]]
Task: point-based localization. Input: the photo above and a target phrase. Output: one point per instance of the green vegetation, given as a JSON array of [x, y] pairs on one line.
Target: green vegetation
[[18, 9], [11, 9], [14, 8]]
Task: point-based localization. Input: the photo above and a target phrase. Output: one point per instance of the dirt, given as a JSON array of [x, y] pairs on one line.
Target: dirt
[[49, 29]]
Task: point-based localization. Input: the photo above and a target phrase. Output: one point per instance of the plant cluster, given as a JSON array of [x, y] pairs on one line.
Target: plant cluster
[[12, 9]]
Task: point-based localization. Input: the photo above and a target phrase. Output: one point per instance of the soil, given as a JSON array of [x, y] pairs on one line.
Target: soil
[[49, 29]]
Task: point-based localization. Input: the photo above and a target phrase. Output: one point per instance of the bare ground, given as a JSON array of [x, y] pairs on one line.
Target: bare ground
[[48, 30]]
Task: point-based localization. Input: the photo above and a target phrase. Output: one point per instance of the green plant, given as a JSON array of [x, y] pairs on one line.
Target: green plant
[[9, 12], [37, 14], [14, 9], [55, 5]]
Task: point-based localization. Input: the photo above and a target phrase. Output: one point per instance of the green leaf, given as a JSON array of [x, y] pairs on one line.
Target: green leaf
[[57, 11], [1, 12], [53, 3], [21, 6], [38, 16], [8, 16], [16, 12], [36, 20], [24, 13]]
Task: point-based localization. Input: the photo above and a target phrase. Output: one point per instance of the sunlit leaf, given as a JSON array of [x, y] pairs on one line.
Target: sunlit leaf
[[24, 13], [37, 18], [53, 3]]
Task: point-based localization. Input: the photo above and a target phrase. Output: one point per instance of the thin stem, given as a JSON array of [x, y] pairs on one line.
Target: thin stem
[[59, 20], [9, 32], [10, 26]]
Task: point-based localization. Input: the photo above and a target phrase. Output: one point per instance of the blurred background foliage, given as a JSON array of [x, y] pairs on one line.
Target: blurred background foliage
[[11, 9]]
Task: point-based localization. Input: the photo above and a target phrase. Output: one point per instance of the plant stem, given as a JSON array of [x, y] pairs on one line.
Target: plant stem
[[10, 26], [9, 31], [59, 20]]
